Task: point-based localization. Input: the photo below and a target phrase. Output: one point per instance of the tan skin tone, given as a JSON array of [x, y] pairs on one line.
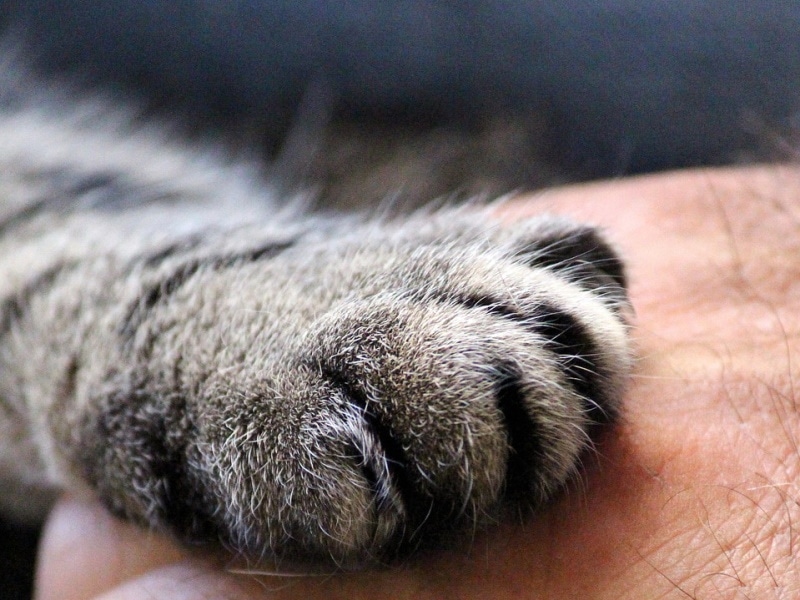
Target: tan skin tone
[[695, 494]]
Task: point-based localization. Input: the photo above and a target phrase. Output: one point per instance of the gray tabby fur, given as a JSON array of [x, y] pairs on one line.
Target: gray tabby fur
[[217, 364]]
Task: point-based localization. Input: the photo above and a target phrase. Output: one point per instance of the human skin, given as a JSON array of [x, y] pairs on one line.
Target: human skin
[[695, 493]]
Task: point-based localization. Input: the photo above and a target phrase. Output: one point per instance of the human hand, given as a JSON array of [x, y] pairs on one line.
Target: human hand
[[694, 494]]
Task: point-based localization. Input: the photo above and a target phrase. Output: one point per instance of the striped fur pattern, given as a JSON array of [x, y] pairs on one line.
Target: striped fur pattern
[[212, 363]]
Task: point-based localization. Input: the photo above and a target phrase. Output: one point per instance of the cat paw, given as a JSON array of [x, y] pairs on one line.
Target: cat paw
[[380, 390], [467, 376]]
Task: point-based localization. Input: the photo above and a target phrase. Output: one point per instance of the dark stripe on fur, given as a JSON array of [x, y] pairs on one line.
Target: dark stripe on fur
[[70, 190], [582, 257], [135, 441], [391, 448], [493, 307], [523, 438], [23, 215], [576, 350], [64, 191], [158, 292], [14, 308], [161, 291], [566, 337], [54, 191], [172, 250]]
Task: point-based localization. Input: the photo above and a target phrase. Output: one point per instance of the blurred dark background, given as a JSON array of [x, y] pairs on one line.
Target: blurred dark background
[[626, 86], [576, 89]]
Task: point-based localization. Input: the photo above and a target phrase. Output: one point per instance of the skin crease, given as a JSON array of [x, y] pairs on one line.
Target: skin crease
[[695, 494]]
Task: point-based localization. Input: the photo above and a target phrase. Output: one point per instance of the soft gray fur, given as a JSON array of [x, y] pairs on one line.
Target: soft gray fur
[[316, 388]]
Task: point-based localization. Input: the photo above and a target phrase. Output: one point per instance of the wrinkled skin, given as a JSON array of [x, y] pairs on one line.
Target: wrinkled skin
[[695, 494]]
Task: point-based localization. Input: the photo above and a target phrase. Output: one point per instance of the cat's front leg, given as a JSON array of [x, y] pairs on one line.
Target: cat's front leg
[[348, 397]]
